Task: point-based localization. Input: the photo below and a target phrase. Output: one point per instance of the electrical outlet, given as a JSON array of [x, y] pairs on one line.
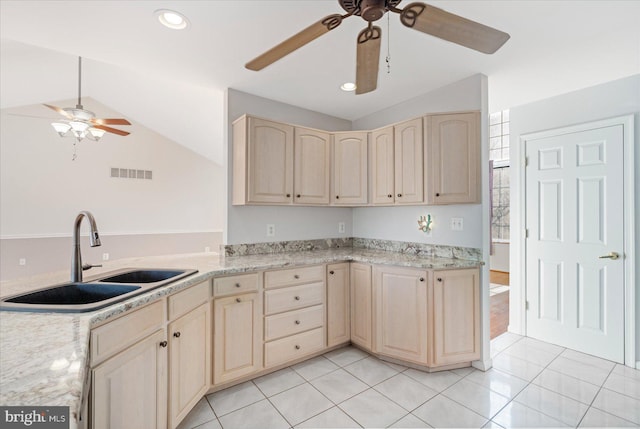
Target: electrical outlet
[[341, 228], [22, 261], [271, 230], [207, 249], [457, 224], [105, 256]]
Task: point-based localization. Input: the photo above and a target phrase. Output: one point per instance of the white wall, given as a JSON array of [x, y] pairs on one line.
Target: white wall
[[247, 224], [617, 98]]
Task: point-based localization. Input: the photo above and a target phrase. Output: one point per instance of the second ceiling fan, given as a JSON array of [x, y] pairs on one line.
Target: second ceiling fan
[[419, 16]]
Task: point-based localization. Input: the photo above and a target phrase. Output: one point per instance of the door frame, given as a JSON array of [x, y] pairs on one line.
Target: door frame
[[627, 122]]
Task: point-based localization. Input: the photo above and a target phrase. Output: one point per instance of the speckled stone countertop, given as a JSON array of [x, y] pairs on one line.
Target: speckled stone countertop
[[44, 356]]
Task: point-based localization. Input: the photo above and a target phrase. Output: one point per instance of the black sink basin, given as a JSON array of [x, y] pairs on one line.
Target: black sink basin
[[143, 276], [73, 294]]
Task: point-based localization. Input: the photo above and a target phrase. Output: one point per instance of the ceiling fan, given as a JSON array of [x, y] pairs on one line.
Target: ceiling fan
[[81, 123], [419, 16]]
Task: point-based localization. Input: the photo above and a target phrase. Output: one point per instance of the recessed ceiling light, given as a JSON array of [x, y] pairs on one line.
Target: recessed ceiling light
[[172, 19], [348, 86]]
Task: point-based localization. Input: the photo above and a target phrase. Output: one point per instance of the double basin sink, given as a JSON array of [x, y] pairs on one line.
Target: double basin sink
[[106, 290]]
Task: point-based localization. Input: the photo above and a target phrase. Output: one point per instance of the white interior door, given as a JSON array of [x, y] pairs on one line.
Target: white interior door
[[575, 222]]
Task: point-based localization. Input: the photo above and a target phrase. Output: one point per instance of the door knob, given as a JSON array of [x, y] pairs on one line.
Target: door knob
[[611, 255]]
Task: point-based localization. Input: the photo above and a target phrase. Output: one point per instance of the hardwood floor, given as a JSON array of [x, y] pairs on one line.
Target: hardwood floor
[[499, 305]]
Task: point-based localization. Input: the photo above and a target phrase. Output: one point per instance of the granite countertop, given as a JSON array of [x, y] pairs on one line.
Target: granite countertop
[[44, 356]]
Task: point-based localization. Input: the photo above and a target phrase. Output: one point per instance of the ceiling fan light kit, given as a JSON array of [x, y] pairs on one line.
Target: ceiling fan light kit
[[418, 16]]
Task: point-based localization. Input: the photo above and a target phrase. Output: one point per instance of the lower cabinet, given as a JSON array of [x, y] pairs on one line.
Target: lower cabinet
[[454, 310], [237, 336], [400, 308], [361, 303], [338, 308], [130, 388]]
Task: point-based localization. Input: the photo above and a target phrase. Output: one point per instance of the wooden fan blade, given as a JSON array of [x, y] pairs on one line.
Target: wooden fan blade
[[368, 59], [451, 27], [294, 42], [111, 130], [111, 121], [59, 110]]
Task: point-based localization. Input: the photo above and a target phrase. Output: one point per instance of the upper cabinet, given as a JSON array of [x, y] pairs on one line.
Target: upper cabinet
[[312, 155], [349, 168], [382, 166], [262, 162], [452, 158]]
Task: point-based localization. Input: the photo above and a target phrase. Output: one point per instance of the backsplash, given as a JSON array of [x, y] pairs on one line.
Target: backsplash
[[426, 250]]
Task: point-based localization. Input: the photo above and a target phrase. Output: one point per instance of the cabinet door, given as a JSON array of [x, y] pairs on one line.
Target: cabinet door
[[312, 154], [237, 336], [270, 162], [409, 178], [400, 308], [130, 389], [361, 305], [453, 158], [189, 361], [455, 312], [349, 168], [338, 309], [381, 166]]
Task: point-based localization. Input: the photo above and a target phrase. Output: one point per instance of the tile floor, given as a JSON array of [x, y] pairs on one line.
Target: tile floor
[[532, 384]]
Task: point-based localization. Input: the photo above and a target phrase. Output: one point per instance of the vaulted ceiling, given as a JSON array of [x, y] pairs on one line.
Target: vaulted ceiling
[[174, 81]]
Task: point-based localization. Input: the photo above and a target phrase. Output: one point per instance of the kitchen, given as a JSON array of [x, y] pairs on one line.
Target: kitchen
[[167, 206]]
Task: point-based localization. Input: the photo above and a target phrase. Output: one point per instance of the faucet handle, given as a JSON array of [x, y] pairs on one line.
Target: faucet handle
[[86, 267]]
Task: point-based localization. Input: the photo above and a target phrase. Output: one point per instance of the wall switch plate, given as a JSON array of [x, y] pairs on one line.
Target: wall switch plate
[[457, 224], [22, 261], [271, 230], [105, 256], [341, 228]]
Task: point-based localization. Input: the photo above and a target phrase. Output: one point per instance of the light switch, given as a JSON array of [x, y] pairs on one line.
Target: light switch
[[457, 224]]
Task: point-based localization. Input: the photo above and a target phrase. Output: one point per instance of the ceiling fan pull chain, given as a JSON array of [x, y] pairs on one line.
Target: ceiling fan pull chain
[[388, 59], [79, 106], [75, 147]]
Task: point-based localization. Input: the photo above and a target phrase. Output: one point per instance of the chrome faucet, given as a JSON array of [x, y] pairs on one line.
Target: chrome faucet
[[94, 240]]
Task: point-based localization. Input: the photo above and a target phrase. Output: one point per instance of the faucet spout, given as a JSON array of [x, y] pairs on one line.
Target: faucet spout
[[94, 241]]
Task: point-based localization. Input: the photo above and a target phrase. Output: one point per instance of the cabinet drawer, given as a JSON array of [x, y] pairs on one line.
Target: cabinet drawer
[[293, 347], [291, 298], [293, 276], [235, 284], [108, 339], [292, 322], [188, 299]]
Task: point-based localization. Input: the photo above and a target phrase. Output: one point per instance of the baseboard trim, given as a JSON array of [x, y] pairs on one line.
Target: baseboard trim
[[482, 365]]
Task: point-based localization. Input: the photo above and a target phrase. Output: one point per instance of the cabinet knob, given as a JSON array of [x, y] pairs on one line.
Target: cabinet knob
[[297, 322], [437, 194], [390, 196], [176, 334], [237, 284], [421, 279], [439, 279], [331, 272], [337, 197], [288, 195], [399, 195], [297, 298], [238, 300], [296, 276], [163, 344], [297, 347], [297, 195]]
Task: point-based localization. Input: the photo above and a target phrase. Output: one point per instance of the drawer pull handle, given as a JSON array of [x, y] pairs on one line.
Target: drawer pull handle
[[163, 344], [298, 196], [437, 194], [331, 272], [389, 196], [238, 300], [297, 347], [297, 298], [399, 195], [295, 276], [176, 334], [288, 195], [421, 279], [297, 322], [439, 279], [237, 284], [337, 197]]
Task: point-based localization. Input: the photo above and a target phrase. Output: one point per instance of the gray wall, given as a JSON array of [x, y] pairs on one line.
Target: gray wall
[[248, 224], [617, 98]]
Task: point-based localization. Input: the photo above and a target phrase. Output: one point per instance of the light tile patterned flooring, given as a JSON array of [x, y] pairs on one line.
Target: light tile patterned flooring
[[532, 384]]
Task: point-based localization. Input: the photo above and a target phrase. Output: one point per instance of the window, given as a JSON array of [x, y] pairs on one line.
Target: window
[[500, 193]]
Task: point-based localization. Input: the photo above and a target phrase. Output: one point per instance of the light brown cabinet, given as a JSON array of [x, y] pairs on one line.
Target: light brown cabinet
[[262, 162], [361, 305], [397, 164], [350, 168], [338, 307], [454, 317], [311, 167], [452, 158], [400, 313]]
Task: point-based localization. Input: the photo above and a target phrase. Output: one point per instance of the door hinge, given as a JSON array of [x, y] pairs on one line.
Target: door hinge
[[526, 305], [526, 233], [526, 161]]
